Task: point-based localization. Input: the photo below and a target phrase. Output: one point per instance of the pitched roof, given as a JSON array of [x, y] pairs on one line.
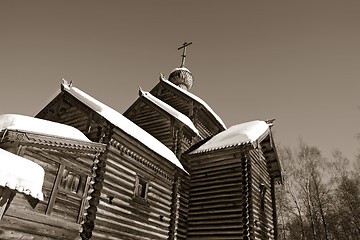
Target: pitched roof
[[172, 111], [124, 124], [21, 174], [40, 126], [240, 134], [196, 99]]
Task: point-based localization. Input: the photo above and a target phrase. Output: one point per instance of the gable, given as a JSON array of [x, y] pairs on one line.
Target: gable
[[138, 109], [203, 117]]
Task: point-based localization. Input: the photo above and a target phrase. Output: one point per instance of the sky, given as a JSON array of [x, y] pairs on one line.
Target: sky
[[295, 61]]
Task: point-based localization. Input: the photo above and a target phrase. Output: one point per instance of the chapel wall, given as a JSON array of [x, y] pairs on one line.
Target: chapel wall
[[219, 195], [262, 213], [136, 198]]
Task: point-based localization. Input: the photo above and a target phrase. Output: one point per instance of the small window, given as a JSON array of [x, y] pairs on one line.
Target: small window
[[72, 182], [141, 188], [262, 196]]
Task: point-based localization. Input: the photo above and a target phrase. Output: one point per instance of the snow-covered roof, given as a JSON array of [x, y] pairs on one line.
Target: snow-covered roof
[[21, 174], [197, 99], [40, 126], [248, 132], [167, 108], [124, 124]]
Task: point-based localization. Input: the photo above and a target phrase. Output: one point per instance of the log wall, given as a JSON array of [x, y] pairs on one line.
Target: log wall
[[179, 207], [230, 196], [217, 195], [122, 215], [183, 201], [263, 224]]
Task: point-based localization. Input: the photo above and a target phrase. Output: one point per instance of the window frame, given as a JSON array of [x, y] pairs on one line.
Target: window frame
[[262, 192], [56, 188], [138, 197]]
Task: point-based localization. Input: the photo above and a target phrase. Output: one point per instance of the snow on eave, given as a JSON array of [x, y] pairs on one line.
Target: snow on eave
[[21, 174], [40, 126], [172, 111], [198, 100], [124, 124], [241, 134]]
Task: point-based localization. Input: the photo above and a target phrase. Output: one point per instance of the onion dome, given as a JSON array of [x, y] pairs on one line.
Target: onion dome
[[182, 77]]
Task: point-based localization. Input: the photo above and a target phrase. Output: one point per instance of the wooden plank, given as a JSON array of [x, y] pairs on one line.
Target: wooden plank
[[112, 228], [83, 201], [37, 218], [260, 175], [54, 190], [28, 228], [216, 169], [216, 196]]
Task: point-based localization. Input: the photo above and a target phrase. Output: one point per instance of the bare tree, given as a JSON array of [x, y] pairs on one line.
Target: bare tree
[[306, 191], [345, 221]]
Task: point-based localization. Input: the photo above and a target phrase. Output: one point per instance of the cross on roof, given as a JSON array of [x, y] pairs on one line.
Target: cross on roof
[[184, 52]]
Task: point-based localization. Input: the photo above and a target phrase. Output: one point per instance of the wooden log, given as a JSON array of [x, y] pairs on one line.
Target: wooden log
[[137, 230], [38, 224]]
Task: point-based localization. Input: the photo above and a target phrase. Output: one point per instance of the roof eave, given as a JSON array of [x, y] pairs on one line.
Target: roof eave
[[26, 137], [249, 145]]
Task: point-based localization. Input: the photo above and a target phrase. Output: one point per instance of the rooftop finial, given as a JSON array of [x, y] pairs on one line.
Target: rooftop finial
[[141, 92], [184, 52], [270, 122]]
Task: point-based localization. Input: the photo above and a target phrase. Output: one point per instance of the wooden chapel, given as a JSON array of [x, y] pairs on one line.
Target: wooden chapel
[[168, 168]]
